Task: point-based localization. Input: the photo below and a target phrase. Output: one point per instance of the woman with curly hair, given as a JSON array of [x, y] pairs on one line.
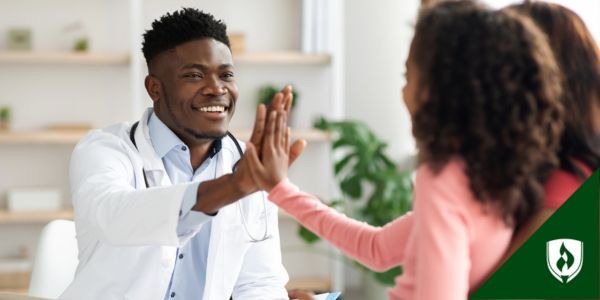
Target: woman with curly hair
[[578, 58], [483, 93]]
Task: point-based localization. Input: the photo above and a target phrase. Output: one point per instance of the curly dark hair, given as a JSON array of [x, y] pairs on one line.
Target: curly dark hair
[[490, 91], [577, 55], [179, 27]]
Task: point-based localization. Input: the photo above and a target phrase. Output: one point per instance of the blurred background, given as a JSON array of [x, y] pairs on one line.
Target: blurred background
[[67, 66]]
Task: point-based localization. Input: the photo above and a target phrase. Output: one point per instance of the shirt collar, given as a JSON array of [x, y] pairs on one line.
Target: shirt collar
[[164, 140]]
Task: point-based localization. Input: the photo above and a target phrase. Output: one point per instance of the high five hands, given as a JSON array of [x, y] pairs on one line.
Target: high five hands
[[268, 153], [272, 166]]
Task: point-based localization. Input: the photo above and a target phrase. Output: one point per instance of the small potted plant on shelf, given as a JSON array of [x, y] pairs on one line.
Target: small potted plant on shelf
[[81, 44], [4, 118], [266, 93], [373, 188], [76, 36]]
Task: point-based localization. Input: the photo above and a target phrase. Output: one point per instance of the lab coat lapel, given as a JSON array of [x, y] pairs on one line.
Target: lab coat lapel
[[153, 165]]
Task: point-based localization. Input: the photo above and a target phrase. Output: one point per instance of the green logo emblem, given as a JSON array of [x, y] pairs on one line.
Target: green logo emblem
[[564, 258]]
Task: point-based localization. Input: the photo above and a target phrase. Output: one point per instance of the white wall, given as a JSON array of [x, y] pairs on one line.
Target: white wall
[[378, 35], [588, 10], [268, 24]]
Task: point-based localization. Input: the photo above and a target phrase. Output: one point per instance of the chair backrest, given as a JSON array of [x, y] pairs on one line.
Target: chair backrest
[[55, 261]]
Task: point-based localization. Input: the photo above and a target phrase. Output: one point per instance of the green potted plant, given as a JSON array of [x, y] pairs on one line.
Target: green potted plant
[[378, 192], [4, 118], [81, 44], [76, 36], [266, 93]]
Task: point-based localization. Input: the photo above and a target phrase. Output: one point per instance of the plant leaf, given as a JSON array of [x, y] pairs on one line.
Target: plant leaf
[[307, 235], [339, 165], [340, 142], [351, 186], [387, 277]]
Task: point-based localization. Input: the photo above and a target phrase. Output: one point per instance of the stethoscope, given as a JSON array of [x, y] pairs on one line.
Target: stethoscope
[[253, 239]]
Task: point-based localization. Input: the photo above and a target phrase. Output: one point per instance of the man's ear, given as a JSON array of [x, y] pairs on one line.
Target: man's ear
[[152, 87]]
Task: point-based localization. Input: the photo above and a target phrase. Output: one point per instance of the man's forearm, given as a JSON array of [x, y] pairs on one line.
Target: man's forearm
[[216, 193]]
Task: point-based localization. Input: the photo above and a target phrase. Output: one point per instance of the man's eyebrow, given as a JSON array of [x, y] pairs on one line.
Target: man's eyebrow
[[204, 67], [226, 66]]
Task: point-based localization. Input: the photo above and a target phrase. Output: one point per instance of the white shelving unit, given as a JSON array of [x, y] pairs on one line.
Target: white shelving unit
[[57, 137], [90, 58], [283, 58], [63, 58], [34, 217], [105, 85], [7, 217]]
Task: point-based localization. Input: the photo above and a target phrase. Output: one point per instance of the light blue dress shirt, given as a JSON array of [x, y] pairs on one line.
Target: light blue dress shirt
[[189, 273]]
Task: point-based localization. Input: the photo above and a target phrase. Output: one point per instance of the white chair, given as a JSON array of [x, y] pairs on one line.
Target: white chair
[[55, 260]]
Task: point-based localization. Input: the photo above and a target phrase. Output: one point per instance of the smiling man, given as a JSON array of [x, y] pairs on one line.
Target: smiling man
[[159, 212]]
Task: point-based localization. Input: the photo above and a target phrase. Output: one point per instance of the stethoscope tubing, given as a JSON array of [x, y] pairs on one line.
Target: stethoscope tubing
[[253, 239]]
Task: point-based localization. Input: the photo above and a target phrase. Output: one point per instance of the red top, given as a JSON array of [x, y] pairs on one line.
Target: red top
[[562, 184]]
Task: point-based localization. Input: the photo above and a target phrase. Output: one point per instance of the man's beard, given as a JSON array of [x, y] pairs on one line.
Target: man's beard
[[193, 133], [203, 135]]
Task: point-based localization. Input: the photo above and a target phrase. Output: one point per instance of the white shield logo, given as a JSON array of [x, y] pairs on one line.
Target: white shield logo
[[564, 258]]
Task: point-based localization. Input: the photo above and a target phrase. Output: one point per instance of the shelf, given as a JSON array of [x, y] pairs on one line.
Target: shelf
[[52, 137], [40, 137], [310, 135], [44, 217], [16, 294], [285, 58], [7, 217], [69, 58], [310, 284], [122, 58], [33, 217]]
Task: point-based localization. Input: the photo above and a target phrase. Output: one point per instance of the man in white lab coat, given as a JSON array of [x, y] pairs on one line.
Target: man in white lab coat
[[157, 206]]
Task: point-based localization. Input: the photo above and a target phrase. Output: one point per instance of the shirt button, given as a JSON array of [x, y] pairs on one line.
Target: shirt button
[[181, 256], [183, 148], [172, 294]]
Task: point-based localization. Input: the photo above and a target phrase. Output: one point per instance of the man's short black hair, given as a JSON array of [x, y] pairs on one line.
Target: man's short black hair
[[179, 27]]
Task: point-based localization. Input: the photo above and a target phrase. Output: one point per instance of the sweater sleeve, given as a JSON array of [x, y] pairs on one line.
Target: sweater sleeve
[[379, 248], [442, 227]]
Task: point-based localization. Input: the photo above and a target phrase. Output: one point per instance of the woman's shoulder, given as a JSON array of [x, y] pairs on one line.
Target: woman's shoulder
[[449, 179], [451, 171]]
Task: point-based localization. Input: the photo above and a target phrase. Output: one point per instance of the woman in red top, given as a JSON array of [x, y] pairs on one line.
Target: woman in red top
[[578, 57]]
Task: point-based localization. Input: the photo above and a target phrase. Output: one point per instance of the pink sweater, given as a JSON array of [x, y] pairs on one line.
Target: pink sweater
[[447, 245]]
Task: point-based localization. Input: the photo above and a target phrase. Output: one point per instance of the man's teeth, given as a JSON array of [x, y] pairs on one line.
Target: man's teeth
[[212, 109]]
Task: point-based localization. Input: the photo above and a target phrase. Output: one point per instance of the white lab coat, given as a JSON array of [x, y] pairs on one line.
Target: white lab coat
[[127, 235]]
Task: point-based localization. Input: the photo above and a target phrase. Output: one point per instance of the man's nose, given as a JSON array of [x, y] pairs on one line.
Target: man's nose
[[214, 86]]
